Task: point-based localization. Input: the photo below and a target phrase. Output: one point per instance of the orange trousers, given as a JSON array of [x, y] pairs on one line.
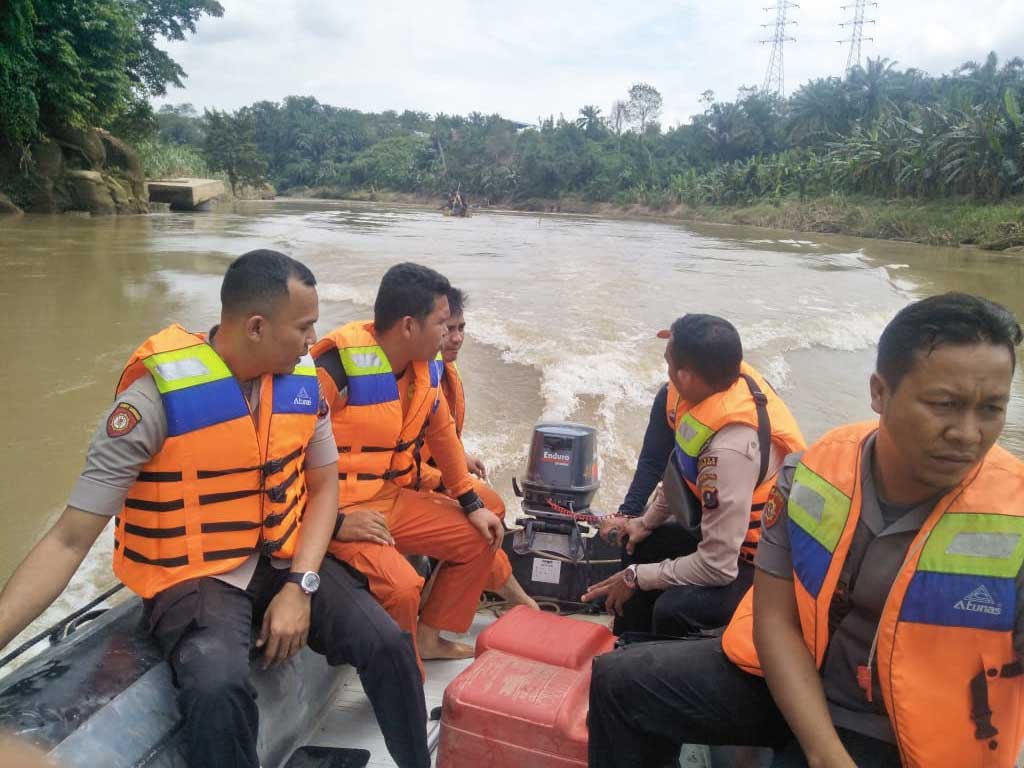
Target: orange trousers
[[501, 568], [422, 523]]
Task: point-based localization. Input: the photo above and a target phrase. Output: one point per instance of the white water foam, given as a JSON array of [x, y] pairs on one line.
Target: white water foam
[[844, 330]]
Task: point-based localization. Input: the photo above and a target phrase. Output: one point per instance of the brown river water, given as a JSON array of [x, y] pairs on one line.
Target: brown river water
[[561, 322]]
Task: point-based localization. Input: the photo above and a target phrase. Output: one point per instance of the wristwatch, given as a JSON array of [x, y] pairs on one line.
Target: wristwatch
[[629, 576], [309, 582], [473, 506]]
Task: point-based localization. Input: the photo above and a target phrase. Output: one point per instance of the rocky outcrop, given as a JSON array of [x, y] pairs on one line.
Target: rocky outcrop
[[76, 169], [7, 206], [90, 192], [83, 148]]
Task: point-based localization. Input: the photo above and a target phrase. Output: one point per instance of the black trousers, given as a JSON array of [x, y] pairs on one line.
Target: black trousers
[[648, 699], [678, 611], [204, 627]]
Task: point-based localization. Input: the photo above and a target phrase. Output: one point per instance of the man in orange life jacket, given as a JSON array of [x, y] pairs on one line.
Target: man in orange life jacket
[[215, 450], [382, 380], [501, 581], [888, 605], [732, 434]]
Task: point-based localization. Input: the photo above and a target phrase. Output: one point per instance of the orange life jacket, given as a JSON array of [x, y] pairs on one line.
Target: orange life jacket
[[751, 401], [376, 441], [222, 487], [950, 679], [455, 396], [675, 407]]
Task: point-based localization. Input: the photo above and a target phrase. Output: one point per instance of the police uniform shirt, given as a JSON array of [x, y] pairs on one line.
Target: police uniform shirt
[[883, 537], [729, 466], [125, 441]]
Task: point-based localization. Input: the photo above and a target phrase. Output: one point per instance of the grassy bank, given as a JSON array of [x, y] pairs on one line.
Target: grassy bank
[[993, 226]]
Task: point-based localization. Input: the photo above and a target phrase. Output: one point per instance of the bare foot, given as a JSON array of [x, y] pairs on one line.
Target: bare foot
[[432, 646], [512, 591]]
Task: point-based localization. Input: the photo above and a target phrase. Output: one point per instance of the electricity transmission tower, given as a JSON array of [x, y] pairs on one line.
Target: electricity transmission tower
[[857, 31], [775, 78]]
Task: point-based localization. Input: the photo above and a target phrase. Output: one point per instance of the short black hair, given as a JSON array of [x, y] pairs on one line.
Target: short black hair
[[457, 301], [951, 318], [407, 290], [709, 346], [255, 280]]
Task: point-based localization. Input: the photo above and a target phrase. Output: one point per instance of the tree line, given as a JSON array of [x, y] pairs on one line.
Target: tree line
[[878, 131], [88, 63]]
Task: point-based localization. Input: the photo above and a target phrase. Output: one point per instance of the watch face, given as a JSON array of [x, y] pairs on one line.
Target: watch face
[[310, 582]]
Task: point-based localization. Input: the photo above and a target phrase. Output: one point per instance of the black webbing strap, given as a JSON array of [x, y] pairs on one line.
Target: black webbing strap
[[764, 426]]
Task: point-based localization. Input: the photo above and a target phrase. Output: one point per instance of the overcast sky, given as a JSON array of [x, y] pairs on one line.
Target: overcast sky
[[528, 58]]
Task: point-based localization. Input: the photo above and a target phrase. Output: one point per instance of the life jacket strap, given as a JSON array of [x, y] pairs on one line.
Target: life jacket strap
[[981, 713], [764, 425]]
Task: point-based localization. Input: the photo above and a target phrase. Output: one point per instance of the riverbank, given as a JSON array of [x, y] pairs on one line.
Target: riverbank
[[991, 226]]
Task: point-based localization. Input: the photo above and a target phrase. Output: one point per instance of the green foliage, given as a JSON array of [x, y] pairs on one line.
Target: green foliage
[[86, 63], [229, 145], [164, 161], [880, 132], [19, 108]]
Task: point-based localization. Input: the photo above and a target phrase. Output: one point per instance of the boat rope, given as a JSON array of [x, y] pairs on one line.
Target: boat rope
[[57, 630]]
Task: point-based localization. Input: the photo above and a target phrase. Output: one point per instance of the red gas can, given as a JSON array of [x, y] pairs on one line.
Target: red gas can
[[523, 702]]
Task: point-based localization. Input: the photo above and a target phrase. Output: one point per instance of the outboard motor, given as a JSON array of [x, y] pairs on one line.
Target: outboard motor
[[557, 554]]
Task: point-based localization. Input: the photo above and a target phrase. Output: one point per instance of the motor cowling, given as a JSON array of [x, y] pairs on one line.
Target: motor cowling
[[562, 469]]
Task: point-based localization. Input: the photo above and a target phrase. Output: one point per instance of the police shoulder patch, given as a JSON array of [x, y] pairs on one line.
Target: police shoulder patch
[[709, 497], [772, 507], [706, 461], [122, 419]]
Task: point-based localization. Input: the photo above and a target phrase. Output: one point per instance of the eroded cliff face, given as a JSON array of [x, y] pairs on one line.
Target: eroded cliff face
[[73, 170]]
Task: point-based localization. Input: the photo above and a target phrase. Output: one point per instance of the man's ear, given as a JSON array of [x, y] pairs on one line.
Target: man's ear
[[255, 327], [679, 379], [408, 324], [879, 393]]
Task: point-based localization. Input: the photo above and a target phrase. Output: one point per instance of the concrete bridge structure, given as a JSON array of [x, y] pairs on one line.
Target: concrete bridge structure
[[185, 194]]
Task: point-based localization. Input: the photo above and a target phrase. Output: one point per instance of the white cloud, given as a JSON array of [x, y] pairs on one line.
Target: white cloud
[[533, 58]]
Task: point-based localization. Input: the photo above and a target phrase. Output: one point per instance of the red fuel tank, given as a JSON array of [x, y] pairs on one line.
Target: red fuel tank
[[523, 702]]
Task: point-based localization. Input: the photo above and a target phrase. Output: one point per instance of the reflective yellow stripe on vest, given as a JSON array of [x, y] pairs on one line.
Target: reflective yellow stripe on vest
[[966, 575], [187, 367], [817, 513], [691, 437]]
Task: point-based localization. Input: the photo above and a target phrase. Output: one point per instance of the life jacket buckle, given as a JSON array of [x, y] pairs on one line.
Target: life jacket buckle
[[268, 548], [272, 467], [277, 494]]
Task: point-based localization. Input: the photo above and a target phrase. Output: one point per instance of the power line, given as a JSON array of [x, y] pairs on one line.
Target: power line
[[775, 77], [857, 31]]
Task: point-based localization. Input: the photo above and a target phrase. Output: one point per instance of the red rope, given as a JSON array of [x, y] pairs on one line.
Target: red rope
[[574, 515]]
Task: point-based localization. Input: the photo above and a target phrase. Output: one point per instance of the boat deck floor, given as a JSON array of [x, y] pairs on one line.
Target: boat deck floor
[[350, 722]]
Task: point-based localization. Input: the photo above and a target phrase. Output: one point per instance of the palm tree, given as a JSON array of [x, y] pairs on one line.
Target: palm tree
[[986, 82], [590, 121], [871, 89], [819, 109]]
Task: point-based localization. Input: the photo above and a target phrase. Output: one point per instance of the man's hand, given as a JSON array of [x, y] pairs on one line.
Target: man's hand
[[366, 525], [489, 526], [636, 531], [612, 528], [614, 589], [285, 625], [475, 466]]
